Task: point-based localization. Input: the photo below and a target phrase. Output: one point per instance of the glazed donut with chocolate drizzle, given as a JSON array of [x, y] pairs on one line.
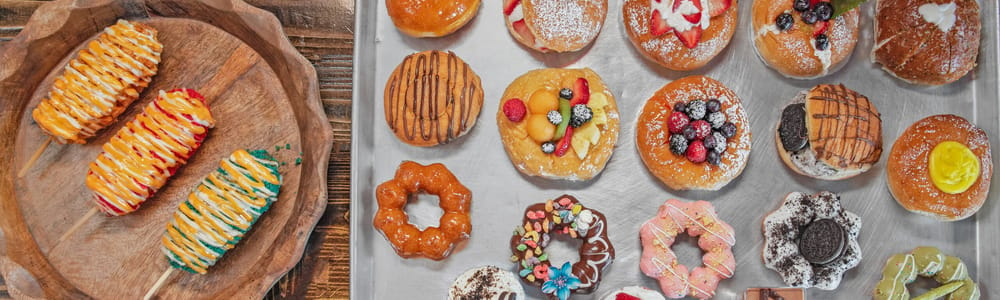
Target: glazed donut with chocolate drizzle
[[432, 98], [564, 215]]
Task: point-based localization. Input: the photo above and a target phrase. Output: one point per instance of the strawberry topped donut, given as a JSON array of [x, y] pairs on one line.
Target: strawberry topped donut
[[680, 35], [555, 25]]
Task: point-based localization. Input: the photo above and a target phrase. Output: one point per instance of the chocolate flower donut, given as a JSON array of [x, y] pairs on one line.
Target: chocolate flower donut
[[811, 240]]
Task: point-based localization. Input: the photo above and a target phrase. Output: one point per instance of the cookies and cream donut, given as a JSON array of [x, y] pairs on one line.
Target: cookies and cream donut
[[949, 271], [558, 123], [811, 240], [829, 132], [941, 167], [563, 215], [432, 98], [680, 35], [486, 283], [926, 41], [555, 25], [431, 18], [803, 39], [693, 134]]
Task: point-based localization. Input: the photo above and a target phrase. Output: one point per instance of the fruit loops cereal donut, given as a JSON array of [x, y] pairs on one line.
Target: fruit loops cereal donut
[[434, 242], [902, 269], [715, 238], [565, 215]]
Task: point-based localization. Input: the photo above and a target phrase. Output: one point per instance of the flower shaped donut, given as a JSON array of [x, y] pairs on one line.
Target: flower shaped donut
[[564, 215], [715, 238], [811, 240], [434, 242]]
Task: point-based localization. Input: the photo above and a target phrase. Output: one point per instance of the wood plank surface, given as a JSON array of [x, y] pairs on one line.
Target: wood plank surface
[[322, 30]]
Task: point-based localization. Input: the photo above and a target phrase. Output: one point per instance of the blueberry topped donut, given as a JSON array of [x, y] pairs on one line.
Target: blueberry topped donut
[[564, 215]]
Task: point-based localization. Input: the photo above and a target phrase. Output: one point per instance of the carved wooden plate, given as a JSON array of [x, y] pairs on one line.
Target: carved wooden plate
[[263, 95]]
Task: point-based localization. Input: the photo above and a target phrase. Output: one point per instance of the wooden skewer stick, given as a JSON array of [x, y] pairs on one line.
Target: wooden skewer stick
[[34, 158], [75, 227], [159, 283]]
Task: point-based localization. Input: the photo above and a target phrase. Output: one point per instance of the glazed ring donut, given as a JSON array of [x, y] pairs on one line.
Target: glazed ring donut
[[433, 242], [564, 215], [679, 51], [678, 171], [715, 238], [908, 172], [431, 18], [902, 269]]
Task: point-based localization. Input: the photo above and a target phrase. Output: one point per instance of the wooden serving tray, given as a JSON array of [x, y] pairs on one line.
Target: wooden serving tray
[[263, 95]]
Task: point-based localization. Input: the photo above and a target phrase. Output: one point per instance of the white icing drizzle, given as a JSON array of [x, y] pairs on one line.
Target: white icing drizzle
[[941, 15]]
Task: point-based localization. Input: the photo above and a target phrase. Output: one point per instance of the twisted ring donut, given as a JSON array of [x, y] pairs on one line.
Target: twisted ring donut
[[903, 268]]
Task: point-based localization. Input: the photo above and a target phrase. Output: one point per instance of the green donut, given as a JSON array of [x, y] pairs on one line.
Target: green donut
[[902, 269]]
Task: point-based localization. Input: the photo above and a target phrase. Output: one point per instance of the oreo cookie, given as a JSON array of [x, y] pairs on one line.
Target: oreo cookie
[[792, 130], [822, 241]]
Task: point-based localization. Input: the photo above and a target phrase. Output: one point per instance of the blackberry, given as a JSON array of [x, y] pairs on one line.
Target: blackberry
[[678, 144], [581, 114], [554, 117], [566, 93], [824, 11], [822, 42], [784, 21], [728, 130], [801, 5], [689, 132], [548, 147], [696, 109], [720, 142], [717, 119], [809, 17], [714, 158]]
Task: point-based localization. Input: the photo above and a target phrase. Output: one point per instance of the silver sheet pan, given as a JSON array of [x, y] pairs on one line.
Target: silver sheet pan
[[626, 192]]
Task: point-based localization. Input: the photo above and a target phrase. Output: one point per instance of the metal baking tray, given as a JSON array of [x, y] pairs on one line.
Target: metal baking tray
[[626, 192]]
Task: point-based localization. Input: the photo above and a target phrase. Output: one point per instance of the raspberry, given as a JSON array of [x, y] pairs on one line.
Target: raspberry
[[720, 142], [677, 122], [514, 110], [678, 144], [717, 119], [701, 129], [696, 109], [696, 152]]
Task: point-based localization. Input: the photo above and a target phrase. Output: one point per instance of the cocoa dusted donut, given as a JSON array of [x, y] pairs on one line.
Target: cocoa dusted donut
[[563, 215], [928, 42], [433, 242]]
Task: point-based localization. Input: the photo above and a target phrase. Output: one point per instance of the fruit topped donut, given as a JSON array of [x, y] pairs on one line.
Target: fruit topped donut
[[693, 134], [558, 123], [805, 39], [680, 34], [555, 25]]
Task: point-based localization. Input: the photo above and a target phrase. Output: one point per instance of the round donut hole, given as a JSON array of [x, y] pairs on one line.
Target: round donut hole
[[563, 248], [686, 249], [921, 286], [424, 210]]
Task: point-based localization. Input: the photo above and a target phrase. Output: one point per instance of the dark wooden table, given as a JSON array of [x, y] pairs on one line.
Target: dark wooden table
[[323, 31]]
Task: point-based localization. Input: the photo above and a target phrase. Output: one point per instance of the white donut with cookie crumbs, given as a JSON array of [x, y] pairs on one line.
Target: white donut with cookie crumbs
[[805, 39], [486, 283], [555, 25]]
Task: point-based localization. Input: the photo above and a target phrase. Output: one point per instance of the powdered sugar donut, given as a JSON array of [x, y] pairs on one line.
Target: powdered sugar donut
[[555, 25], [680, 35], [802, 50]]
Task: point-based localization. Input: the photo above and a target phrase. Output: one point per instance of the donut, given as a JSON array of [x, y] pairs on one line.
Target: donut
[[433, 242], [799, 49], [811, 240], [432, 98], [774, 294], [680, 35], [715, 238], [693, 134], [902, 269], [486, 283], [431, 18], [926, 42], [558, 123], [941, 167], [634, 293], [555, 25], [563, 215], [829, 132]]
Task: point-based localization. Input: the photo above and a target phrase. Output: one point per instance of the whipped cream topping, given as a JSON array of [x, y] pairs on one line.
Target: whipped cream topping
[[675, 19], [942, 15], [823, 55]]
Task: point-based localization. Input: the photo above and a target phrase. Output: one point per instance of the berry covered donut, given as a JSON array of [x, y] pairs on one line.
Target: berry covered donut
[[715, 238], [693, 134], [433, 242], [902, 269], [564, 215], [805, 39]]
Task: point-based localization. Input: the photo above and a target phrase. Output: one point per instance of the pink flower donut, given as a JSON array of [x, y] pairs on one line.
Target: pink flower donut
[[715, 238]]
